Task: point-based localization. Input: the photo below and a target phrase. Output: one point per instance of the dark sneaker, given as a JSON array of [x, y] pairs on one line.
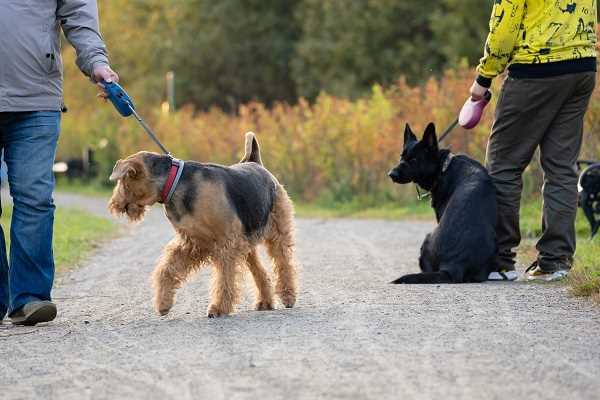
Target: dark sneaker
[[536, 273], [508, 275], [33, 313]]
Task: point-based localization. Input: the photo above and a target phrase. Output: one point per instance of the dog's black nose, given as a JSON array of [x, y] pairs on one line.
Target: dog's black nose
[[393, 174]]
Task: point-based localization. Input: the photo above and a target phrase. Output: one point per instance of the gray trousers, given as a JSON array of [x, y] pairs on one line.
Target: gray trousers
[[545, 113]]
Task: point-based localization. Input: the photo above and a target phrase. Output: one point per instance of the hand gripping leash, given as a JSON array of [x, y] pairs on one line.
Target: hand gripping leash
[[470, 114]]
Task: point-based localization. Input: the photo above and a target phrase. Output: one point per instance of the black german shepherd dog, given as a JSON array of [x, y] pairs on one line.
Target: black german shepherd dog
[[462, 248]]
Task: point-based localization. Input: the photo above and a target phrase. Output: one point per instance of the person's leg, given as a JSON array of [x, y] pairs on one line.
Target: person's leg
[[524, 111], [560, 148], [4, 293], [30, 145]]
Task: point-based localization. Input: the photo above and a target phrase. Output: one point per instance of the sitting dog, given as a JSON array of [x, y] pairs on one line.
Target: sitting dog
[[462, 248], [220, 215]]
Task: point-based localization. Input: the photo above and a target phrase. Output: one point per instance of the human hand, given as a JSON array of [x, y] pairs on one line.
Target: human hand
[[477, 91], [102, 72]]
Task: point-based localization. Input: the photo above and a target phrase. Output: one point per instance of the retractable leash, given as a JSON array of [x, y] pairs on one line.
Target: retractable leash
[[124, 105], [469, 116]]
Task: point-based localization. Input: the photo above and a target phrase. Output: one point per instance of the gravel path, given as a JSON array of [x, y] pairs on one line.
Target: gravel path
[[351, 335]]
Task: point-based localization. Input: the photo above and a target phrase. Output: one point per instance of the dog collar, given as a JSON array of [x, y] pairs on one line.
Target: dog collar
[[447, 162], [445, 166], [173, 179]]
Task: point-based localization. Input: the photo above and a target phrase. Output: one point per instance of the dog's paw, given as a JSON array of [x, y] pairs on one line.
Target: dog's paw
[[162, 311], [288, 299], [215, 312], [163, 306], [264, 305]]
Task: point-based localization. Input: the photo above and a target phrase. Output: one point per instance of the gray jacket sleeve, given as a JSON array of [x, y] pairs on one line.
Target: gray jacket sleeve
[[79, 20]]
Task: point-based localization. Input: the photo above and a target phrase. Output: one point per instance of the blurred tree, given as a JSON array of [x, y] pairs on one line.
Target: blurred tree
[[460, 28], [229, 52], [139, 35], [347, 46]]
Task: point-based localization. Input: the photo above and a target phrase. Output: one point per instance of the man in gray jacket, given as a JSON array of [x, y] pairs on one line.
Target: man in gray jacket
[[31, 101]]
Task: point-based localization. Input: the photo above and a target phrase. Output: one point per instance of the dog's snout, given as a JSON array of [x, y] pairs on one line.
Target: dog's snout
[[393, 174]]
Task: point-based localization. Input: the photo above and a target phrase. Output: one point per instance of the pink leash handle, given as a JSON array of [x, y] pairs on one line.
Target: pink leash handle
[[472, 110]]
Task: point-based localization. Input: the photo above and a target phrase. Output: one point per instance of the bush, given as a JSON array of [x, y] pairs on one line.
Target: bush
[[335, 150]]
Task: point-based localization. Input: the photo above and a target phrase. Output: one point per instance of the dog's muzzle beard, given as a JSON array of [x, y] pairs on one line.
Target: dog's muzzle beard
[[121, 204]]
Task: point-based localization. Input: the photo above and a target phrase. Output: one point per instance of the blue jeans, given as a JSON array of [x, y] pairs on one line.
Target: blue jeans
[[28, 140]]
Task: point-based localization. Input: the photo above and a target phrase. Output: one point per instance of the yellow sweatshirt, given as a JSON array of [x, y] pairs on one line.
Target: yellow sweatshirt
[[538, 32]]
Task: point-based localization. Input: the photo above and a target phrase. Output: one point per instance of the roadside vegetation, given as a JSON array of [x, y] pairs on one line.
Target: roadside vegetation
[[584, 279], [76, 234]]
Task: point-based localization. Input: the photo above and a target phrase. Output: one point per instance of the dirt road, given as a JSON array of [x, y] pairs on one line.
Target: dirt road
[[351, 336]]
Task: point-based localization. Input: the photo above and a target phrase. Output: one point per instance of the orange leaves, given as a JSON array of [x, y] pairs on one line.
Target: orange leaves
[[335, 148]]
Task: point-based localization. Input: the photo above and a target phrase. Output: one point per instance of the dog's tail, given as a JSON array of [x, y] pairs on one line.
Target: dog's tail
[[252, 149]]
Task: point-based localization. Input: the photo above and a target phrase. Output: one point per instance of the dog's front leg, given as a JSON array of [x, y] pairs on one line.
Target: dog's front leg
[[225, 290], [173, 268]]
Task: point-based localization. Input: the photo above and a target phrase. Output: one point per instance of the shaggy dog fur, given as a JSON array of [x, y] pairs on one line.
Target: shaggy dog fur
[[220, 215], [462, 248]]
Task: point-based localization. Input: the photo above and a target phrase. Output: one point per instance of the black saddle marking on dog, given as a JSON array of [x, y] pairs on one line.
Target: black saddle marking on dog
[[189, 197], [250, 188]]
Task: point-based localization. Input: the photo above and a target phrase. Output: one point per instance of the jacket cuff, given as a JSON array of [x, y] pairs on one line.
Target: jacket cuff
[[96, 60], [483, 81]]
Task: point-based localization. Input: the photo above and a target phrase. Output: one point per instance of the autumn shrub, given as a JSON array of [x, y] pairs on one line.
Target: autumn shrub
[[333, 150]]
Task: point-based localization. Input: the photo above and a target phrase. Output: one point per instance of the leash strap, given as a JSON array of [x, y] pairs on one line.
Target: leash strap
[[148, 130], [448, 130]]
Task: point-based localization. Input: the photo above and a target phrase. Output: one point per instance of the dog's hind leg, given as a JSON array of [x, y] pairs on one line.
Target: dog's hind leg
[[173, 268], [280, 245], [264, 292]]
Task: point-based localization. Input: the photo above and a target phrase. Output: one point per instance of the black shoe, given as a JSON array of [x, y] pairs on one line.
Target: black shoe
[[33, 313]]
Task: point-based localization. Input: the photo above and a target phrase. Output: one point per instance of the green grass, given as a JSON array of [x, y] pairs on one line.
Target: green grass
[[531, 221], [83, 188], [76, 233], [584, 279], [417, 210]]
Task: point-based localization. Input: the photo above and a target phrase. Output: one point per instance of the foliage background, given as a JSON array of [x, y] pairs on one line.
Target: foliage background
[[326, 84]]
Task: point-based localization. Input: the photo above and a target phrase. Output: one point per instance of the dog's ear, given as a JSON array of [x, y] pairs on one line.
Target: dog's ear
[[430, 138], [409, 136], [131, 168]]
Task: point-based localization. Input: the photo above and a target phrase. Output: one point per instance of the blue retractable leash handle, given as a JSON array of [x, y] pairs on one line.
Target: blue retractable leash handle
[[124, 105], [119, 97]]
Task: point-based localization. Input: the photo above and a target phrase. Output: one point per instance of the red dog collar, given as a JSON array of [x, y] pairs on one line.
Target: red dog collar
[[171, 184]]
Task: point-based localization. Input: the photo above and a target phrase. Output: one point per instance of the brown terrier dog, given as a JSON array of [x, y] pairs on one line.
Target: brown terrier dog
[[220, 215]]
